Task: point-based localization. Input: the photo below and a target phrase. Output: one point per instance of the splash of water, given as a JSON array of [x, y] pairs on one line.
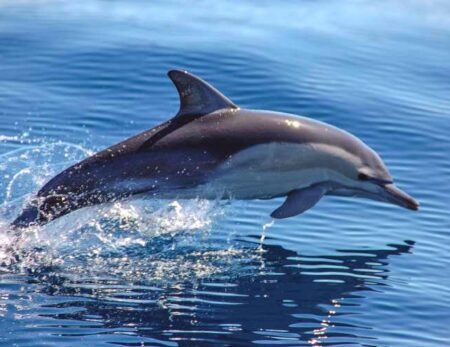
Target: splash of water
[[136, 240]]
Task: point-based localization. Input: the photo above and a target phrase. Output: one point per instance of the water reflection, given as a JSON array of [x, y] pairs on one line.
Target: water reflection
[[274, 296]]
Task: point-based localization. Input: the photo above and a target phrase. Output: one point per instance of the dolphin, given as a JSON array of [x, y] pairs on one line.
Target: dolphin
[[213, 149]]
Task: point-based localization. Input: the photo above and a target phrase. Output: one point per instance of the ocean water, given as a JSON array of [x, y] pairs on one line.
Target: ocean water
[[76, 77]]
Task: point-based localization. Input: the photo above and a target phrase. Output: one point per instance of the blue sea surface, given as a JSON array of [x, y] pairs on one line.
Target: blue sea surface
[[78, 76]]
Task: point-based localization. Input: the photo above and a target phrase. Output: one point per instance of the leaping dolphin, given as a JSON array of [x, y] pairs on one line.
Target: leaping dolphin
[[213, 149]]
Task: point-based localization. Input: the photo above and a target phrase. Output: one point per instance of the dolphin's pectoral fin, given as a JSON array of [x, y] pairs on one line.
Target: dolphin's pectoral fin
[[197, 97], [298, 201]]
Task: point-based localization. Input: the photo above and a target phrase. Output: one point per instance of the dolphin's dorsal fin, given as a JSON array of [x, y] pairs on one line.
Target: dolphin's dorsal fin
[[197, 97]]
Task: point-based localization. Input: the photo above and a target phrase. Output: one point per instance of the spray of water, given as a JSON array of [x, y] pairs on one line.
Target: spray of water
[[265, 228], [137, 240]]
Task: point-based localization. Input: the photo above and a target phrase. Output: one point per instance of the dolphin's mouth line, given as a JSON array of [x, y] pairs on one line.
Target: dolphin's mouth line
[[386, 192], [379, 181]]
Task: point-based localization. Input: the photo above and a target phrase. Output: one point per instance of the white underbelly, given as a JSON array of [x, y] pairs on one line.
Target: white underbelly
[[265, 171], [244, 184]]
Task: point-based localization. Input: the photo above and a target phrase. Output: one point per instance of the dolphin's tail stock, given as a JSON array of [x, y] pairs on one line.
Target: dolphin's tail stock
[[42, 210], [29, 216]]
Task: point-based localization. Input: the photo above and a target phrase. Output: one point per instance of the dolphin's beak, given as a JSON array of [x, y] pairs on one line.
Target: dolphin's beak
[[396, 196]]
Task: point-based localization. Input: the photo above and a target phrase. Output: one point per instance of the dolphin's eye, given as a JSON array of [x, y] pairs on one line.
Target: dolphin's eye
[[363, 177]]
